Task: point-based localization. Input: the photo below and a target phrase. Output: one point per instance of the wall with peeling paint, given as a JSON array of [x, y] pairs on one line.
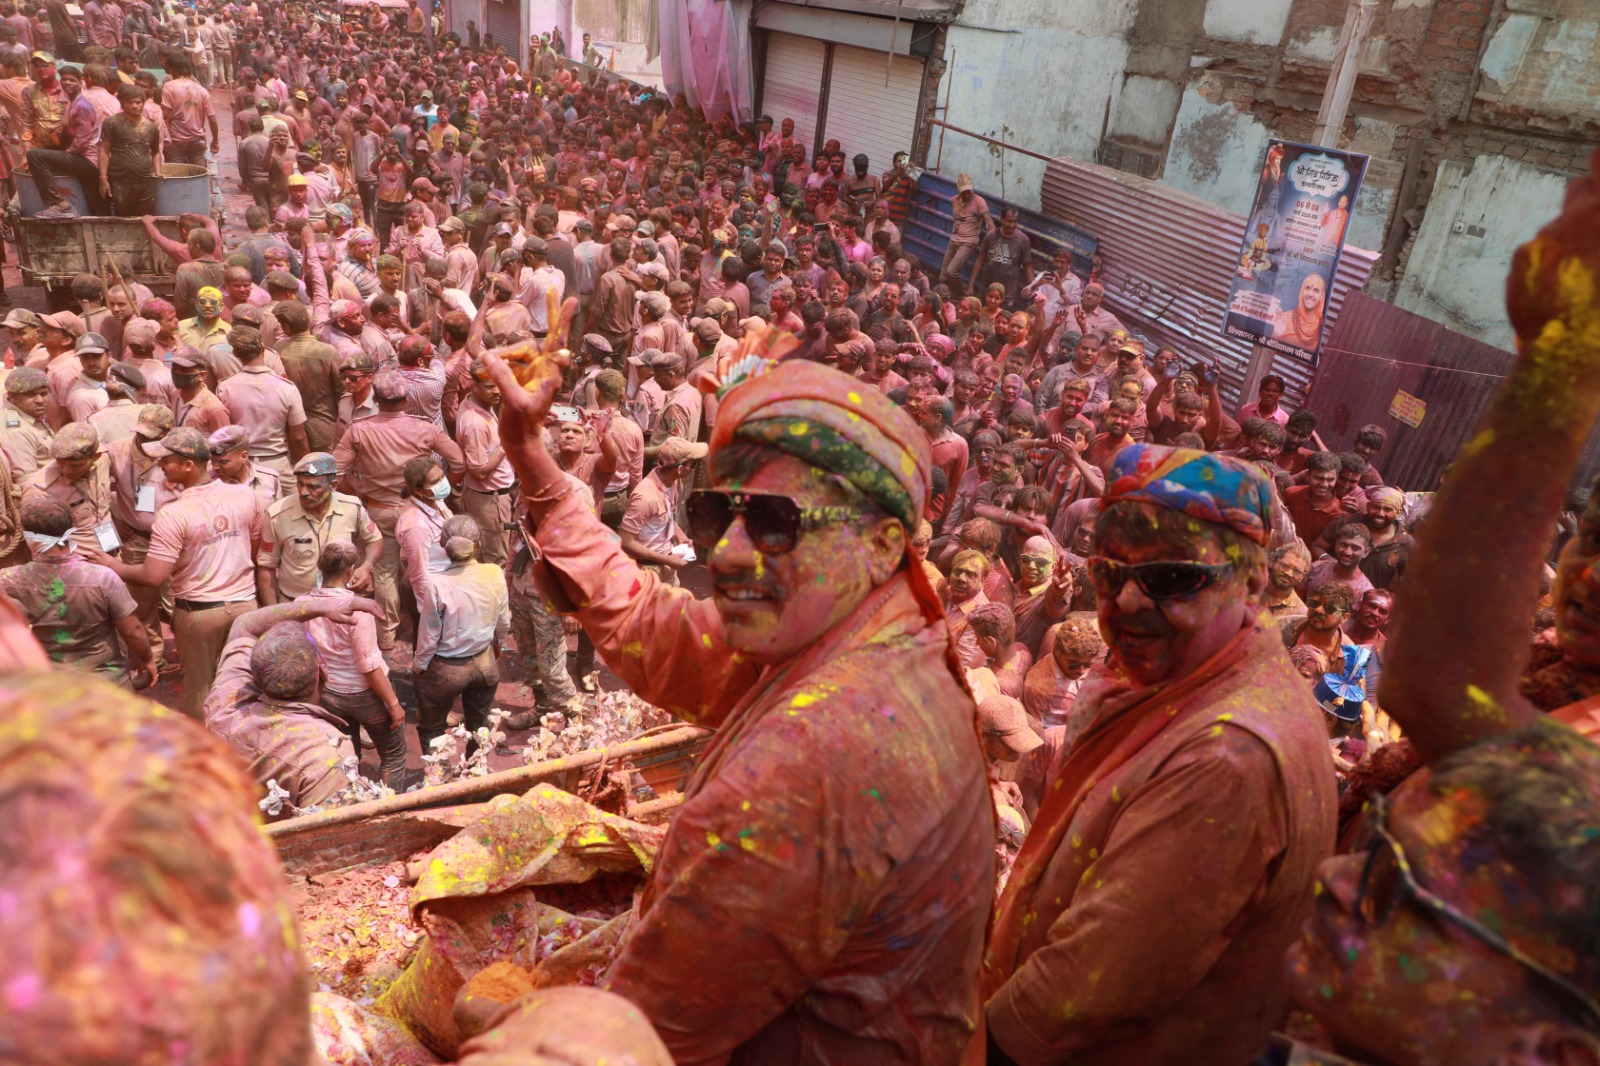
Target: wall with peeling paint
[[1545, 65], [1479, 212], [1247, 21], [1216, 149], [1034, 73], [1473, 112]]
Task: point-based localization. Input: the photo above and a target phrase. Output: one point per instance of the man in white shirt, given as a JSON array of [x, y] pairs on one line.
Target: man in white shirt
[[535, 289], [1053, 291], [464, 614]]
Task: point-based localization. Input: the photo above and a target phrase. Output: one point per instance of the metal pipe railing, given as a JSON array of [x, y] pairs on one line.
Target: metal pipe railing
[[985, 138]]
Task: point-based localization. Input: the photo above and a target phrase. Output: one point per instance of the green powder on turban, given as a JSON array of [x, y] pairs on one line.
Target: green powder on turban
[[813, 443]]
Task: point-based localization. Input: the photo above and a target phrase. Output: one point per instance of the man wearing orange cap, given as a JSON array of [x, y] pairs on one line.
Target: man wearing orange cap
[[815, 899], [1172, 860]]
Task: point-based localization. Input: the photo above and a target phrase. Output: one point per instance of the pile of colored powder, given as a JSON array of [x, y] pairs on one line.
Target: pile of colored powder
[[501, 982]]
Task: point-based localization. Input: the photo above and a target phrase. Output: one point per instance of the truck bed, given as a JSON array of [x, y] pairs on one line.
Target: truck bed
[[51, 250]]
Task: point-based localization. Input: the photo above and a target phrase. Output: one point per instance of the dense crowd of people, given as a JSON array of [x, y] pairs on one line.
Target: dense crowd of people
[[1046, 682]]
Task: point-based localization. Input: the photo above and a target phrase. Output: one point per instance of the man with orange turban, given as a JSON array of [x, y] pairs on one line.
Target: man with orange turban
[[822, 893], [1172, 859]]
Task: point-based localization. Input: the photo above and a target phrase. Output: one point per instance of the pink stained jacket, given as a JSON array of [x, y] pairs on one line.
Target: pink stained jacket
[[1159, 924], [822, 893]]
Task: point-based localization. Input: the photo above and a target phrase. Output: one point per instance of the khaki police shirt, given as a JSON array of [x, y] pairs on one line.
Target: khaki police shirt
[[292, 540], [89, 500], [26, 443], [268, 485]]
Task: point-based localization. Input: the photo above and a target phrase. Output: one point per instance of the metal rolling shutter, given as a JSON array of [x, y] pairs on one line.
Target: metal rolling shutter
[[865, 115], [504, 18], [793, 84]]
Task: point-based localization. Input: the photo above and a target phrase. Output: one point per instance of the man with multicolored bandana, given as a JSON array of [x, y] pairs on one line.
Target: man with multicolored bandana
[[1172, 860]]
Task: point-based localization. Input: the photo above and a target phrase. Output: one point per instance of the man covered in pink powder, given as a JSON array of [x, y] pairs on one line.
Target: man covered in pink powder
[[815, 899]]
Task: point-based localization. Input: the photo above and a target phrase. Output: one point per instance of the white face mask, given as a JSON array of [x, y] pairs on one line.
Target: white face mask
[[440, 489]]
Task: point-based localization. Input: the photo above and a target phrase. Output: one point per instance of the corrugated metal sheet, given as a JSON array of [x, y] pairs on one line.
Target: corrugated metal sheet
[[1378, 349], [1168, 260]]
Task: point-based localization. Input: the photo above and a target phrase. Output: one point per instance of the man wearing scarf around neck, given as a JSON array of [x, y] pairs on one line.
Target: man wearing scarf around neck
[[822, 893], [1172, 859]]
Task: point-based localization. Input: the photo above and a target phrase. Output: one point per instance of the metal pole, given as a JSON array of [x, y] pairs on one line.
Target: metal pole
[[949, 77], [894, 41], [1330, 120]]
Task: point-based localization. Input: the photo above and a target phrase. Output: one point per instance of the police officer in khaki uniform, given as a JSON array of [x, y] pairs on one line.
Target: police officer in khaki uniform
[[299, 526], [139, 490], [25, 436], [231, 462], [79, 476]]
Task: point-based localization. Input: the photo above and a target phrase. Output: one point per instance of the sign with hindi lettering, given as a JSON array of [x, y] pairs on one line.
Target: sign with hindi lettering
[[1290, 250], [1407, 408]]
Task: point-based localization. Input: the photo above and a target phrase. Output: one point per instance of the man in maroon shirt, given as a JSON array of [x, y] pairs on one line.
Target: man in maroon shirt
[[1314, 506]]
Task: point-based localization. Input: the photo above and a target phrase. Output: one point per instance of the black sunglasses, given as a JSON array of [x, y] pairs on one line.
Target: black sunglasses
[[773, 523], [1387, 882], [1159, 581]]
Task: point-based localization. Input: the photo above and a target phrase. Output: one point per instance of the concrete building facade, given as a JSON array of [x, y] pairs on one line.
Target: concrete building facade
[[1475, 113]]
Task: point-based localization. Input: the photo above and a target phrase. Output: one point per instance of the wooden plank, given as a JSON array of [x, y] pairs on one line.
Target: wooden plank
[[680, 739], [384, 838]]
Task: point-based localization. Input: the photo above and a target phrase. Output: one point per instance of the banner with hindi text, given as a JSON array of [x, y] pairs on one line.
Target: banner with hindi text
[[1290, 250]]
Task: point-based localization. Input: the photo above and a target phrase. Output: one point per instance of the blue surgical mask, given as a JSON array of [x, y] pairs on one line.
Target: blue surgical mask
[[441, 489]]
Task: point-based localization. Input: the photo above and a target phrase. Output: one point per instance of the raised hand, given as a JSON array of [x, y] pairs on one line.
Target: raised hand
[[1061, 578]]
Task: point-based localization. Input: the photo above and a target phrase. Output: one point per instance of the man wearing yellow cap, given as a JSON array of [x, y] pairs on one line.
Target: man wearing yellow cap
[[295, 206], [821, 894]]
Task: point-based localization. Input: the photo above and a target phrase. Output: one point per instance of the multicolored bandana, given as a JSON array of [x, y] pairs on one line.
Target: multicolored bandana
[[1213, 488]]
